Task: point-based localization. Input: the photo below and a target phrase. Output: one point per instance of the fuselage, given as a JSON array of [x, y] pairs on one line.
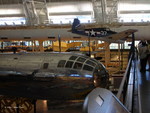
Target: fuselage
[[57, 73]]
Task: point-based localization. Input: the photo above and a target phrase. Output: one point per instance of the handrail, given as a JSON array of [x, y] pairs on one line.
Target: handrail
[[129, 103], [124, 79], [128, 87], [138, 90]]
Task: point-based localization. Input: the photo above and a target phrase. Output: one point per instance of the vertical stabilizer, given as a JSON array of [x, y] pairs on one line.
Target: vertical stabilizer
[[76, 23]]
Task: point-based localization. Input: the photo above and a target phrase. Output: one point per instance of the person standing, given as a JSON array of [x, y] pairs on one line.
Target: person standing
[[143, 54]]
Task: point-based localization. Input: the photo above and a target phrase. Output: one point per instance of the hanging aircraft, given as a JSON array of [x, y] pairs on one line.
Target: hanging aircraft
[[77, 28], [102, 33], [50, 75]]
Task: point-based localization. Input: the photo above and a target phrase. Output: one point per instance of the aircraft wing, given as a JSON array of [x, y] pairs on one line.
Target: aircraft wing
[[119, 37]]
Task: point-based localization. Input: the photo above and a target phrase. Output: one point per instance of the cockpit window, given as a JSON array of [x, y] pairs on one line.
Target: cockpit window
[[80, 59], [61, 63], [88, 68], [93, 60], [73, 58], [69, 64], [90, 63], [77, 65]]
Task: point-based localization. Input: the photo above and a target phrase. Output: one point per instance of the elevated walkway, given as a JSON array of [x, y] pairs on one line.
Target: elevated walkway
[[144, 90]]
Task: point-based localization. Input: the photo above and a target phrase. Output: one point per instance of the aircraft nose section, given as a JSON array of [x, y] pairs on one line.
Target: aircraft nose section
[[101, 79]]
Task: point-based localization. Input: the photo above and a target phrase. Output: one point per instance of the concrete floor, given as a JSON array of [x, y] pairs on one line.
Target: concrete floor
[[144, 86], [43, 106]]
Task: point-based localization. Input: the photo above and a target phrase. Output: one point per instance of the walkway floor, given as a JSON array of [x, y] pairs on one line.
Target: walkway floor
[[144, 90]]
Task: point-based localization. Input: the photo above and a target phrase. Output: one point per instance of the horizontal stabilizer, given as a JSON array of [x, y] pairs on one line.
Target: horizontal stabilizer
[[119, 37]]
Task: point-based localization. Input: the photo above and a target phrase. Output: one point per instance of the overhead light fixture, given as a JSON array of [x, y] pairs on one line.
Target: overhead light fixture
[[4, 38], [51, 37], [27, 37], [76, 37]]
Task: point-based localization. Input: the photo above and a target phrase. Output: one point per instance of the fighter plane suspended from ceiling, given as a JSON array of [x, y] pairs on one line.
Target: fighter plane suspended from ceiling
[[103, 33]]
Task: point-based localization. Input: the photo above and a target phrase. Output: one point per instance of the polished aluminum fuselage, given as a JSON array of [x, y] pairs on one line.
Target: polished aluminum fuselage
[[50, 75]]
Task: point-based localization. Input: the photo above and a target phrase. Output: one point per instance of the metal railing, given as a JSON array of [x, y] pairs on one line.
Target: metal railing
[[126, 91], [128, 88]]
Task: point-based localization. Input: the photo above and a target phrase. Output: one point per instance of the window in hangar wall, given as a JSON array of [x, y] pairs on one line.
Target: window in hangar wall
[[12, 15], [58, 13], [64, 13], [134, 11], [69, 19], [12, 21], [127, 45]]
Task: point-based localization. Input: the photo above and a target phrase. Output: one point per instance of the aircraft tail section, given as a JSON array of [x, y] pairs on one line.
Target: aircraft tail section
[[75, 25]]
